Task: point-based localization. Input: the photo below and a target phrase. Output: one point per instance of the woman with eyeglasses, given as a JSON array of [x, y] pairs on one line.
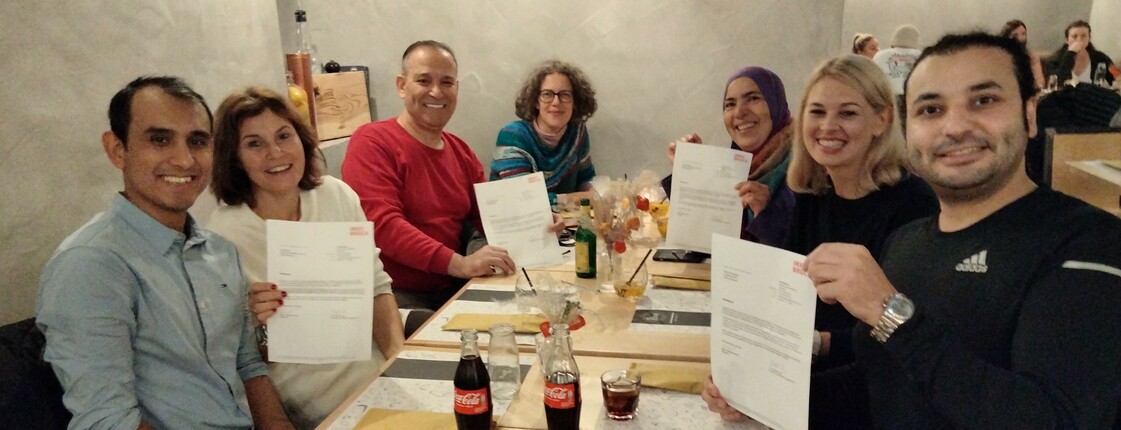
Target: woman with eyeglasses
[[551, 137]]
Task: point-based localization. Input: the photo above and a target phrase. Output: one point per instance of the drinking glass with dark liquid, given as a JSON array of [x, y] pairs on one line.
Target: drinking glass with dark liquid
[[620, 393]]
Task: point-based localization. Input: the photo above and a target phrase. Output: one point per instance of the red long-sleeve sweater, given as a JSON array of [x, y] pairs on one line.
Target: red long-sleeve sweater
[[417, 197]]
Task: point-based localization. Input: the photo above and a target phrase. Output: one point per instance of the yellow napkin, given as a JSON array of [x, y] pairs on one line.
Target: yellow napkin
[[1116, 164], [416, 420], [523, 323], [682, 283], [674, 378]]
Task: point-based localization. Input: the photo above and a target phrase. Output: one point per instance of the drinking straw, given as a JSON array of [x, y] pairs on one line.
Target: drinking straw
[[648, 251], [524, 272]]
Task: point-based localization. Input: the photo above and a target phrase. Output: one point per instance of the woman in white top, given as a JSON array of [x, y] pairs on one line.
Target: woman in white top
[[266, 167]]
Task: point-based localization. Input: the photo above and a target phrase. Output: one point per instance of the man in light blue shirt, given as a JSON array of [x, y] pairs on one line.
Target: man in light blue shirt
[[143, 311]]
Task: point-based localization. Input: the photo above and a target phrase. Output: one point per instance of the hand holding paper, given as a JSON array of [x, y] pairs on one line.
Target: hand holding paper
[[705, 199], [516, 217], [327, 271], [848, 274], [762, 331]]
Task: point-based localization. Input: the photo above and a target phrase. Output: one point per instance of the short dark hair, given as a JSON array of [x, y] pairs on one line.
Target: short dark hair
[[230, 182], [954, 43], [431, 44], [1077, 24], [1011, 26], [583, 95], [120, 107]]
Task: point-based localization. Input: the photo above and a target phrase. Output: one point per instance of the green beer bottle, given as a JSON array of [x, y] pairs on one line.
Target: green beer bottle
[[585, 246]]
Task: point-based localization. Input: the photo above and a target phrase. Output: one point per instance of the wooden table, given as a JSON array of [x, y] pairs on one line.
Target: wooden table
[[609, 340], [417, 379], [609, 318], [1104, 193], [661, 409]]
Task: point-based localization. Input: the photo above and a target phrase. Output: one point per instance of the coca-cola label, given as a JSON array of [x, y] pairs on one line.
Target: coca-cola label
[[471, 402], [560, 396]]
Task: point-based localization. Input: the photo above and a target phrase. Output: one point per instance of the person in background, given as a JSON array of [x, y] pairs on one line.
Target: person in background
[[1077, 59], [849, 178], [1016, 29], [266, 167], [554, 105], [865, 44], [983, 316], [898, 60], [144, 311], [758, 120]]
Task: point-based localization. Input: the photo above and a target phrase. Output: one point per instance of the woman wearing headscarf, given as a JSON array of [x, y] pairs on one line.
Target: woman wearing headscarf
[[758, 120]]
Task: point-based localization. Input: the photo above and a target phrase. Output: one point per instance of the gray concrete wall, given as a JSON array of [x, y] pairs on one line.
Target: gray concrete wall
[[62, 63], [658, 65], [1105, 20]]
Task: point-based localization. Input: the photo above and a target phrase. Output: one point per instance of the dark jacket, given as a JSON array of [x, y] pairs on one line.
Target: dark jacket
[[1062, 63]]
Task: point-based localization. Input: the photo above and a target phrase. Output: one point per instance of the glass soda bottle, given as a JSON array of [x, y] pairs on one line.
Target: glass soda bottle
[[473, 407], [585, 246], [1100, 75], [562, 384]]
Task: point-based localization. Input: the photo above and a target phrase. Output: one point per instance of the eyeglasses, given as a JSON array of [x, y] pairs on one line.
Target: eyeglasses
[[546, 96]]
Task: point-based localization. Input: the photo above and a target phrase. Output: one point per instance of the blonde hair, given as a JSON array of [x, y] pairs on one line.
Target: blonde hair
[[859, 41], [883, 163]]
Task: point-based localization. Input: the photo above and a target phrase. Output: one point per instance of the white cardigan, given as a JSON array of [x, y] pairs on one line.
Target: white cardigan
[[309, 392]]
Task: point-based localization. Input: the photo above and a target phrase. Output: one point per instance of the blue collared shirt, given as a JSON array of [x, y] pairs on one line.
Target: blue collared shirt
[[145, 323]]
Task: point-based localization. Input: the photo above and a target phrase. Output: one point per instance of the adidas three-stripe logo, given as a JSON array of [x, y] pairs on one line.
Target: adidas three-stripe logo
[[975, 263]]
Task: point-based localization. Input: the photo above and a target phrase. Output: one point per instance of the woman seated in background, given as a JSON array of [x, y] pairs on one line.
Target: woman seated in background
[[1016, 29], [758, 120], [847, 172], [865, 44], [1077, 59], [266, 167], [554, 103]]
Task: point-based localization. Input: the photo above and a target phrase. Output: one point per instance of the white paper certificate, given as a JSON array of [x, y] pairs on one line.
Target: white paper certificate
[[326, 268], [762, 331], [705, 200], [515, 213]]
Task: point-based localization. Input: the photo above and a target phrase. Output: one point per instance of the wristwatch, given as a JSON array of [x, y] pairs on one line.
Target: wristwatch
[[897, 310]]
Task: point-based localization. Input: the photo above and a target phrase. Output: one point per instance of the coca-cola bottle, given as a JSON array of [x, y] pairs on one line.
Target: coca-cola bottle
[[473, 408], [562, 384]]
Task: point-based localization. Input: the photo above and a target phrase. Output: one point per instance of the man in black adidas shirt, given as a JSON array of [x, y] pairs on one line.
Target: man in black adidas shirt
[[1003, 311]]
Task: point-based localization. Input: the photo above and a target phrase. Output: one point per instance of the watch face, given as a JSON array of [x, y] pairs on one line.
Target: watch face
[[901, 306]]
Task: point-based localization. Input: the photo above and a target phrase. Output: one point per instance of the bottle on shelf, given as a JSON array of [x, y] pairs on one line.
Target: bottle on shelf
[[562, 383], [585, 246], [299, 65], [303, 41], [473, 405]]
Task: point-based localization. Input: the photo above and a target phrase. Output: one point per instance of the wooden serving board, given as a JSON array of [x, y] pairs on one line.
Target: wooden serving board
[[341, 103]]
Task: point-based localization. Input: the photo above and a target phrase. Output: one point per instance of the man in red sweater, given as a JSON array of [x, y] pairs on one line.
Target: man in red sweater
[[416, 182]]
